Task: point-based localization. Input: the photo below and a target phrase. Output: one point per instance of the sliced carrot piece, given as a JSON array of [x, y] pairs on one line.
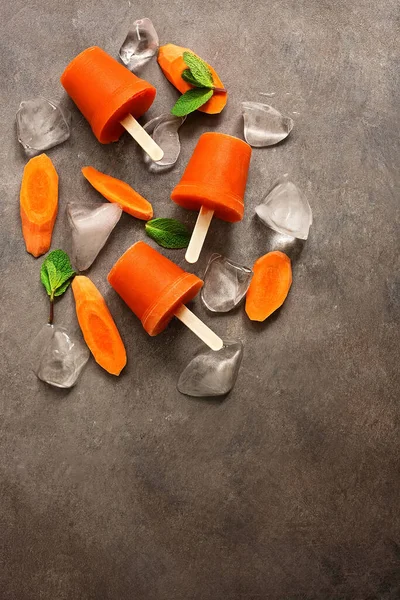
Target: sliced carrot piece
[[269, 286], [38, 204], [98, 327], [115, 190], [170, 59]]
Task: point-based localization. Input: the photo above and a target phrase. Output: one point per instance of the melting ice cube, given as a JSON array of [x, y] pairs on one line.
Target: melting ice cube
[[58, 356], [225, 284], [41, 124], [164, 131], [140, 44], [286, 210], [212, 373], [264, 125], [91, 227]]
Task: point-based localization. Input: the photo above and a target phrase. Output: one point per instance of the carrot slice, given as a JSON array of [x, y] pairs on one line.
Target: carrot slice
[[38, 204], [270, 285], [98, 327], [115, 190], [170, 59]]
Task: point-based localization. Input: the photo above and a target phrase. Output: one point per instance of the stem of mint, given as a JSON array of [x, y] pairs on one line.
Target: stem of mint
[[51, 315]]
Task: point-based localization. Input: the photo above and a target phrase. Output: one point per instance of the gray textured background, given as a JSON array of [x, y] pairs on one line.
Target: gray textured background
[[122, 488]]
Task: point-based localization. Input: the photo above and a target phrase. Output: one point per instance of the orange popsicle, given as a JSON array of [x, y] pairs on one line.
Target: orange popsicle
[[108, 95], [213, 182], [156, 289]]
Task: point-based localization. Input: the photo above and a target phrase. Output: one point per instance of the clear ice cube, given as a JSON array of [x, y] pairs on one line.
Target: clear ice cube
[[41, 124], [225, 284], [264, 125], [58, 356], [140, 44], [212, 373], [164, 131], [91, 227], [286, 210]]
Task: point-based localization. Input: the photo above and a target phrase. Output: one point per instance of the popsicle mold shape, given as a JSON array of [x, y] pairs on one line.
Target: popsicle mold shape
[[156, 289], [152, 285], [110, 97], [214, 183], [216, 176]]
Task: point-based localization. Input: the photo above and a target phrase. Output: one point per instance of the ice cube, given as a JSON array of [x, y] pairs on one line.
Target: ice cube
[[58, 356], [164, 131], [212, 373], [225, 284], [41, 124], [140, 44], [91, 227], [286, 210], [264, 125]]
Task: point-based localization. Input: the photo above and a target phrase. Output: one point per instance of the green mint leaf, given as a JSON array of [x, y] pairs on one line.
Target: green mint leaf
[[53, 276], [188, 77], [60, 260], [191, 101], [199, 69], [168, 233], [64, 277], [63, 288], [55, 272], [44, 278]]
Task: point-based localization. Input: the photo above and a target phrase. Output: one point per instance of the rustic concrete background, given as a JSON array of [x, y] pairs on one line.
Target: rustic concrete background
[[123, 489]]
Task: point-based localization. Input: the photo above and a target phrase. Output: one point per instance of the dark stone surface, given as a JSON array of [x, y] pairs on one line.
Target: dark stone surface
[[123, 489]]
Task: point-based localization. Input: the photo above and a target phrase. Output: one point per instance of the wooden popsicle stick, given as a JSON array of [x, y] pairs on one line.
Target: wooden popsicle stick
[[142, 138], [199, 328], [199, 234]]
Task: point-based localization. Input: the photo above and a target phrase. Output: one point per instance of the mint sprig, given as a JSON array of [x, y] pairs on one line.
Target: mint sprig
[[56, 274], [200, 77], [168, 233]]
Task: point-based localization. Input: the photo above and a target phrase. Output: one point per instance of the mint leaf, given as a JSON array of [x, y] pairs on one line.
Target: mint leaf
[[60, 260], [188, 77], [168, 233], [63, 288], [199, 69], [52, 274], [55, 274], [191, 101], [44, 278]]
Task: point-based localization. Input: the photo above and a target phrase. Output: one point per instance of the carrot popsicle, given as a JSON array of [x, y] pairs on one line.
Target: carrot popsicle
[[214, 183], [156, 290], [110, 97]]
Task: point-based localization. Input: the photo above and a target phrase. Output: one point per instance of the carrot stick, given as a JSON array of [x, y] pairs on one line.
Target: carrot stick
[[38, 204], [115, 190], [170, 59], [270, 285], [98, 327]]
